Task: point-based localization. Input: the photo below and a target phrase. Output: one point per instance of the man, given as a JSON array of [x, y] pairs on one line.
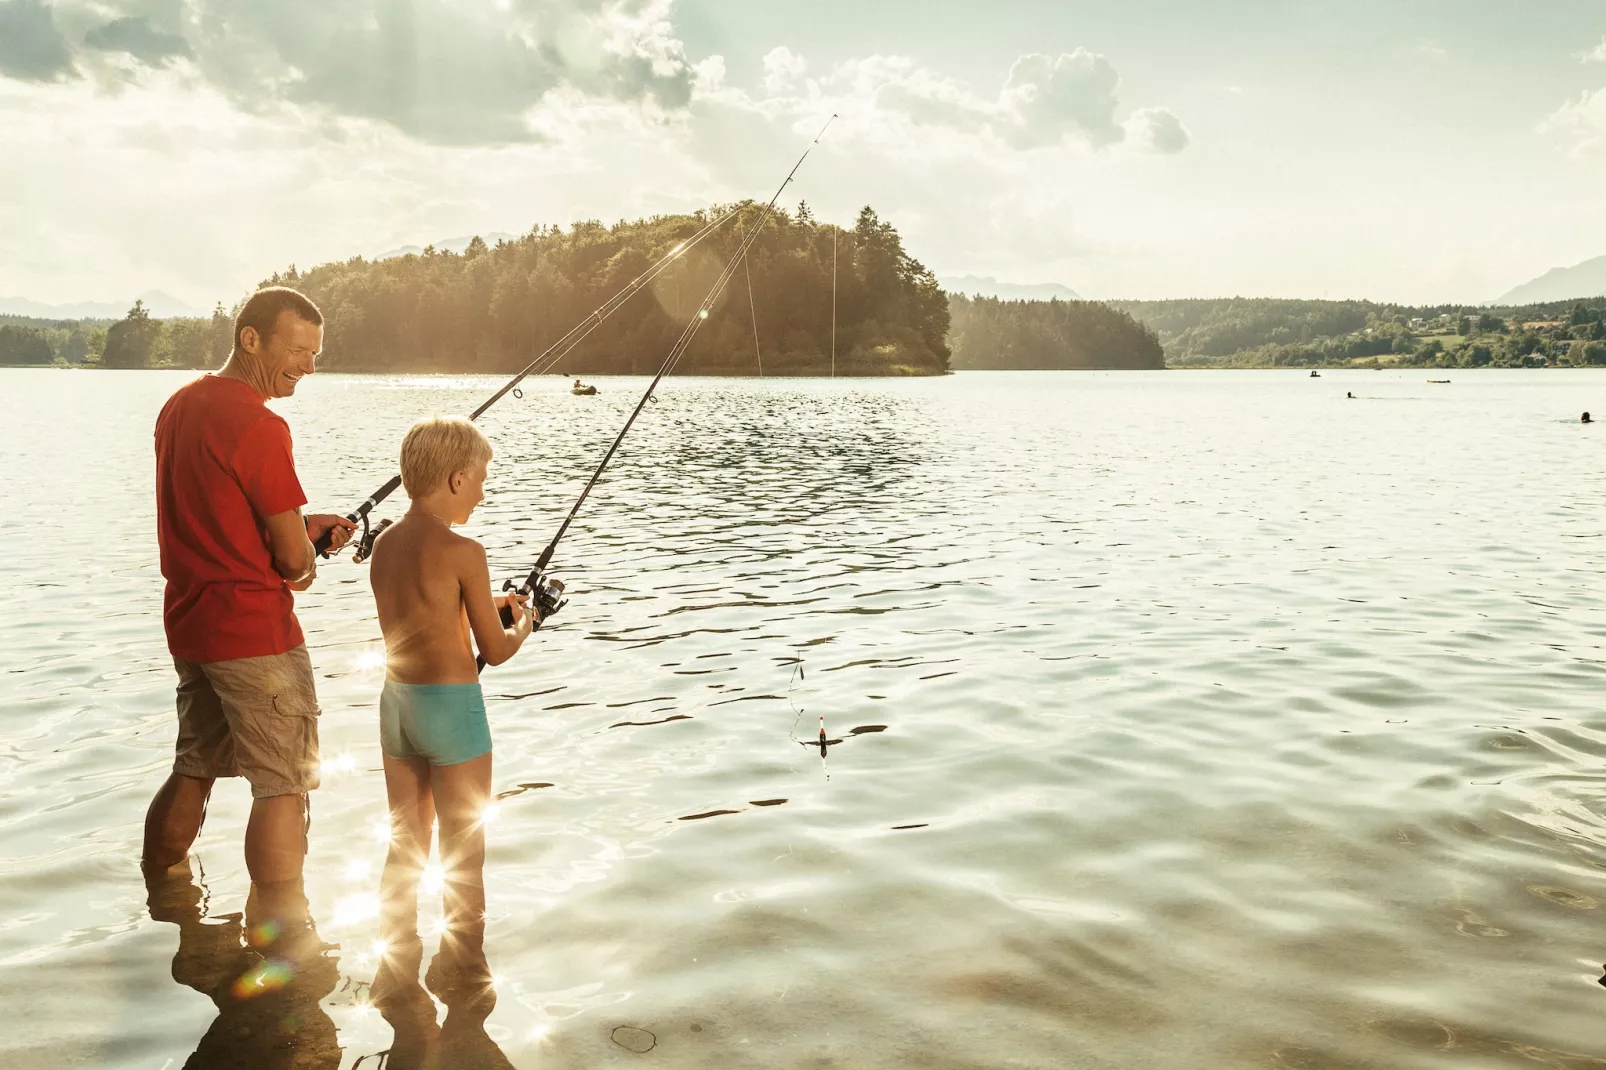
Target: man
[[234, 545]]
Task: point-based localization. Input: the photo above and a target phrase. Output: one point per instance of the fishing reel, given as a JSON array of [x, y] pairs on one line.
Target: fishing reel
[[365, 541], [548, 597]]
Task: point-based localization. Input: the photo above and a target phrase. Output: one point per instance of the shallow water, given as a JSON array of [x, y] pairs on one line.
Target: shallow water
[[1206, 718]]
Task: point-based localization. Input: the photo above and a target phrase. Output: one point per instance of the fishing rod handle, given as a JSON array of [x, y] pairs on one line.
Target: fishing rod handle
[[548, 600], [325, 540]]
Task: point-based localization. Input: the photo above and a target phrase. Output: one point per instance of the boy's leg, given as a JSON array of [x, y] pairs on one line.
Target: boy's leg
[[412, 820], [462, 792]]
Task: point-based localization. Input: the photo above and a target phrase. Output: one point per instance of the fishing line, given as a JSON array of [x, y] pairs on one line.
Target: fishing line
[[823, 743], [549, 597], [550, 356]]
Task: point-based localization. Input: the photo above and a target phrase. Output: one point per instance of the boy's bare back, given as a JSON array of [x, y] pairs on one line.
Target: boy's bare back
[[422, 574]]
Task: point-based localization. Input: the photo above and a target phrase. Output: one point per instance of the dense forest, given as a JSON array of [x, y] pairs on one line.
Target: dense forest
[[1271, 333], [992, 334], [493, 308]]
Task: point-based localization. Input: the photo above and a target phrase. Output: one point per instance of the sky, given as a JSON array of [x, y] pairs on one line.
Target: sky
[[1430, 151]]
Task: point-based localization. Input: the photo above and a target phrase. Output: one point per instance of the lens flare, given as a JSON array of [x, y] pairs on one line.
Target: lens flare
[[340, 763], [490, 813], [434, 879], [267, 976]]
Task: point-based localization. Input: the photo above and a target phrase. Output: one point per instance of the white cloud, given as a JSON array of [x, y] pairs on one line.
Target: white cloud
[[1432, 50], [1580, 122], [783, 69], [1158, 130], [441, 71], [1596, 54], [895, 101], [1055, 96]]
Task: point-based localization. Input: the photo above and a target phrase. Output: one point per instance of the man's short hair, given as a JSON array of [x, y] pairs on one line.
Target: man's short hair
[[261, 310], [437, 446]]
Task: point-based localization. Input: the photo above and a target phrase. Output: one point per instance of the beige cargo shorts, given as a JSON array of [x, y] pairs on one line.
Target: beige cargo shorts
[[250, 717]]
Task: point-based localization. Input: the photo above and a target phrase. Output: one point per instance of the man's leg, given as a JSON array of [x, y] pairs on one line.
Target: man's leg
[[174, 820], [276, 839], [272, 714], [205, 751]]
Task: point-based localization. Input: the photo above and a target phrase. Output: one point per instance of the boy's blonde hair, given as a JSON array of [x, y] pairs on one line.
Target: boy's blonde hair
[[436, 447]]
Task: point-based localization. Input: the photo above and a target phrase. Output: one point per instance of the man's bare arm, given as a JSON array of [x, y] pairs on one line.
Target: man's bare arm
[[293, 556]]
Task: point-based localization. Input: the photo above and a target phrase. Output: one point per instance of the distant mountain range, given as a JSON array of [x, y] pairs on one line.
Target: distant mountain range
[[1561, 284], [161, 305], [984, 286], [450, 245]]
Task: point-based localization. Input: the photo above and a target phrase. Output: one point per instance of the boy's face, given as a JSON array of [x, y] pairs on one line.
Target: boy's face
[[468, 491]]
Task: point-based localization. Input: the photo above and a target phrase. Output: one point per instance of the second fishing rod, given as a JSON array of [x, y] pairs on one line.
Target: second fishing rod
[[549, 596]]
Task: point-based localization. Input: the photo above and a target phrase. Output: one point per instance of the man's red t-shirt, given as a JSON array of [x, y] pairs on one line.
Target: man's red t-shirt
[[223, 464]]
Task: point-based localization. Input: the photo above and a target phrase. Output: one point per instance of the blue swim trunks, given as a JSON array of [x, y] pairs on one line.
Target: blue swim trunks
[[444, 723]]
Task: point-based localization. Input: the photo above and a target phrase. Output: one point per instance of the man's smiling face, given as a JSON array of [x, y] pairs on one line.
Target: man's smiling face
[[288, 354]]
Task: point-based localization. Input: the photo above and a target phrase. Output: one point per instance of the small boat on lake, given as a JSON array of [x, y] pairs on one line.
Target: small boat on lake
[[583, 389], [1438, 380], [1314, 374]]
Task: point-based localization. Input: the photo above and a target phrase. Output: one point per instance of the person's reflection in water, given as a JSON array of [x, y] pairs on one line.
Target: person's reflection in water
[[266, 972], [461, 1043]]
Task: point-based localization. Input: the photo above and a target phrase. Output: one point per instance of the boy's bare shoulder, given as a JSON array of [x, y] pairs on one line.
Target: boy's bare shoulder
[[462, 545]]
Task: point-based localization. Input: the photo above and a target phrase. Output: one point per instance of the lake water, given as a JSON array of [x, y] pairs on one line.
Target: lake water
[[1206, 720]]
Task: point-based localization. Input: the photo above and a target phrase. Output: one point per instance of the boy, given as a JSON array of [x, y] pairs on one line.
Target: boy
[[433, 589]]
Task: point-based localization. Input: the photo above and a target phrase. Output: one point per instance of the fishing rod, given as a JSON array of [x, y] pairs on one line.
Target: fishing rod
[[556, 352], [549, 596]]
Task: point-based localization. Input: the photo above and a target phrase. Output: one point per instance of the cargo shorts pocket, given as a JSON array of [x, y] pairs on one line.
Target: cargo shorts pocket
[[277, 746], [295, 738]]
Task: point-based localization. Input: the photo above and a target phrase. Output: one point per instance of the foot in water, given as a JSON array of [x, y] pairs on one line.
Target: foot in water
[[397, 976], [459, 972], [280, 928]]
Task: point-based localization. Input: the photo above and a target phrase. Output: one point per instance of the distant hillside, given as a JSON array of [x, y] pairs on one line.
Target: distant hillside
[[159, 304], [1263, 332], [989, 334], [985, 286], [1561, 284], [450, 245]]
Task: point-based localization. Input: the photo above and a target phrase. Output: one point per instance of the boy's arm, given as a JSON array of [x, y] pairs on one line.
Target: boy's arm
[[496, 643]]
